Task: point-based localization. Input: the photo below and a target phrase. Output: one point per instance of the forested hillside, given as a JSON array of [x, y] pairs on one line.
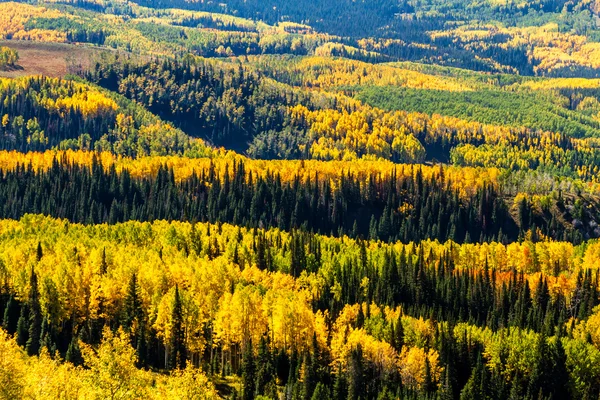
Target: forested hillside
[[300, 200]]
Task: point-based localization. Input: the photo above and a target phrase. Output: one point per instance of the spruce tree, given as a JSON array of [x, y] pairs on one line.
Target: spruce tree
[[398, 341], [475, 388], [141, 348], [39, 252], [310, 377], [23, 326], [35, 317], [539, 379], [356, 381], [559, 376], [178, 354], [265, 370], [9, 320], [248, 373], [446, 388], [73, 354], [46, 340], [428, 383], [340, 385], [103, 263], [133, 307], [321, 392]]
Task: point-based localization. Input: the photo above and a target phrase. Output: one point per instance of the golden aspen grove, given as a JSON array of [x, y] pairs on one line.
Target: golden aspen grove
[[300, 200]]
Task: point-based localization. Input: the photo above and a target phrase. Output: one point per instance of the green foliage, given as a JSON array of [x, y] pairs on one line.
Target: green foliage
[[462, 290], [487, 106], [40, 113], [8, 57]]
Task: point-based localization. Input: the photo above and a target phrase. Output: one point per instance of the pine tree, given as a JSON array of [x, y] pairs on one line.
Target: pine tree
[[248, 373], [8, 320], [539, 380], [373, 231], [559, 374], [356, 383], [39, 252], [141, 348], [310, 369], [261, 262], [265, 370], [428, 383], [35, 317], [321, 392], [46, 340], [103, 263], [398, 341], [178, 354], [133, 306], [73, 354], [472, 389], [446, 389], [23, 326], [340, 385]]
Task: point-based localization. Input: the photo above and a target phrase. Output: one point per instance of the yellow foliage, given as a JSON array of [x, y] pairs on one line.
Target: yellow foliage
[[13, 17], [188, 384], [465, 180], [412, 366], [325, 72], [369, 132], [111, 374], [90, 103], [548, 46]]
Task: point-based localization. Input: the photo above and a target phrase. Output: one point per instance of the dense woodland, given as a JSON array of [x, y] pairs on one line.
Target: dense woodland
[[271, 200], [534, 37], [403, 205], [424, 321], [39, 113]]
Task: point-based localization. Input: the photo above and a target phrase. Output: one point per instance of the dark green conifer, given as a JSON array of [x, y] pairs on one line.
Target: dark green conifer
[[178, 354], [248, 373], [35, 316]]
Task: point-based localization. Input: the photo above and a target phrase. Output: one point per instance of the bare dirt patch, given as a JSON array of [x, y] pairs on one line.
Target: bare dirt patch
[[50, 59]]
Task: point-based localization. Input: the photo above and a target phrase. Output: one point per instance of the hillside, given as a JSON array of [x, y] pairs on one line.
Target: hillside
[[300, 200], [48, 59]]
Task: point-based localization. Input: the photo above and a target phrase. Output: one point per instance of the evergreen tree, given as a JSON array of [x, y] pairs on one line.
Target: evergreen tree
[[265, 370], [23, 326], [46, 340], [356, 382], [248, 373], [539, 380], [321, 392], [398, 335], [477, 387], [178, 354], [73, 354], [35, 316], [103, 263], [340, 385], [559, 374], [133, 305], [39, 252], [428, 383], [310, 377], [9, 320], [141, 348]]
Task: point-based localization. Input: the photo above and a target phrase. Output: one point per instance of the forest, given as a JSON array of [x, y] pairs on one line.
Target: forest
[[300, 200]]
